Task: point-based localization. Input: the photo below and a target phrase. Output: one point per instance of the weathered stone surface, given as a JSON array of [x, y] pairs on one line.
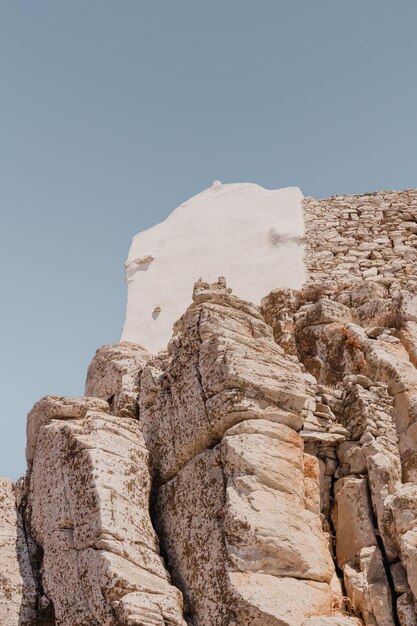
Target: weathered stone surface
[[268, 527], [18, 598], [333, 620], [363, 292], [240, 521], [113, 376], [352, 518], [367, 587], [223, 367], [240, 543], [262, 600], [375, 372], [361, 238], [406, 609], [57, 407], [403, 516], [325, 311], [274, 450], [88, 509]]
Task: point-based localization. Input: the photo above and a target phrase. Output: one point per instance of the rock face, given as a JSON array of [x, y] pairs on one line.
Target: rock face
[[238, 524], [18, 593], [88, 508], [260, 471], [352, 339]]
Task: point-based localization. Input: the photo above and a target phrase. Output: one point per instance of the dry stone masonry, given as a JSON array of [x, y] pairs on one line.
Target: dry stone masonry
[[259, 471], [350, 238]]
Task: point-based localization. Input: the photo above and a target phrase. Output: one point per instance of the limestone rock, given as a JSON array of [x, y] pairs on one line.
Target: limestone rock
[[376, 375], [263, 450], [352, 519], [236, 540], [240, 521], [363, 292], [57, 408], [403, 511], [325, 311], [113, 376], [406, 608], [222, 367], [18, 594], [88, 509], [367, 586]]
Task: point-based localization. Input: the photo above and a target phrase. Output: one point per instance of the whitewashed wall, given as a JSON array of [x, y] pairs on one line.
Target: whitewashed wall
[[244, 232]]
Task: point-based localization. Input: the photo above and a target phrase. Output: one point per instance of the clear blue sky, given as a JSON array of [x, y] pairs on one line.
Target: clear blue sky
[[114, 112]]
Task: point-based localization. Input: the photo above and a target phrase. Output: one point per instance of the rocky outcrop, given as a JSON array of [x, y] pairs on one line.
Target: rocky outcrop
[[355, 340], [237, 500], [271, 465], [18, 593], [262, 470], [113, 375], [88, 505]]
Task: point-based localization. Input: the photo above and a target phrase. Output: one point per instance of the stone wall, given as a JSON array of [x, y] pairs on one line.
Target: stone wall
[[355, 237]]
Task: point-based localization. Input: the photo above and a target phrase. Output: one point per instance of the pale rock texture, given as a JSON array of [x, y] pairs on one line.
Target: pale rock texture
[[236, 510], [222, 367], [260, 467], [113, 374], [18, 593], [88, 507], [372, 236], [352, 339]]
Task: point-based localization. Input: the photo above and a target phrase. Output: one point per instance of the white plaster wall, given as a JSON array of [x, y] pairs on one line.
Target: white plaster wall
[[244, 232]]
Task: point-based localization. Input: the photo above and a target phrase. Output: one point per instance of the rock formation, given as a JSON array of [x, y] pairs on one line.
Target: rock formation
[[262, 470]]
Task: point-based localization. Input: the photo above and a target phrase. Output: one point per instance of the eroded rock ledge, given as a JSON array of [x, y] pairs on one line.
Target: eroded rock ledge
[[276, 462], [359, 342]]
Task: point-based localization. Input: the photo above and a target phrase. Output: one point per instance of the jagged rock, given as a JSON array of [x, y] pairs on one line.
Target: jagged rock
[[402, 506], [376, 312], [352, 457], [88, 510], [113, 376], [367, 586], [383, 429], [18, 594], [262, 600], [406, 608], [325, 311], [57, 408], [352, 518], [223, 367], [255, 497], [366, 291], [322, 437], [399, 578], [275, 448], [225, 552]]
